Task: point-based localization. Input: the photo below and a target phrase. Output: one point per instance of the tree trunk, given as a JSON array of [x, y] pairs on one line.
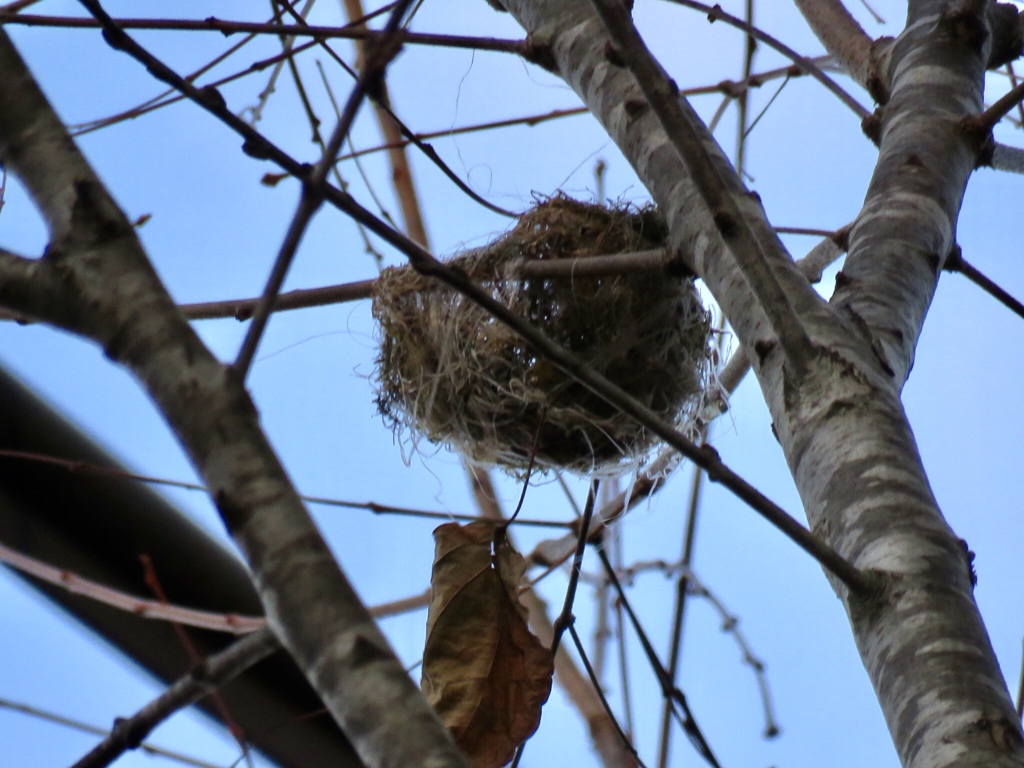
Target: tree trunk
[[839, 418]]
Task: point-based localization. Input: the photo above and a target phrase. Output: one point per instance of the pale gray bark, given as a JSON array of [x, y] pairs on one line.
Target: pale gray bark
[[841, 35], [840, 423], [95, 280]]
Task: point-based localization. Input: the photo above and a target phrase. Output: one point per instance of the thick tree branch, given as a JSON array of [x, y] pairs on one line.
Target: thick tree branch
[[841, 35], [842, 426], [120, 304], [904, 233], [749, 239]]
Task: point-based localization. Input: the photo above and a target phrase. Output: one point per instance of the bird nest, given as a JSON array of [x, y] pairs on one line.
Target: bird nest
[[450, 372]]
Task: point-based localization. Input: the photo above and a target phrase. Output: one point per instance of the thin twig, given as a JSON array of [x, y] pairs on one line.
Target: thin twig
[[988, 119], [730, 625], [77, 466], [231, 623], [381, 103], [957, 263], [78, 725], [728, 87], [304, 298], [226, 27], [152, 580], [679, 609], [313, 193], [620, 634], [626, 742], [202, 681], [743, 101], [566, 618], [715, 13], [669, 690]]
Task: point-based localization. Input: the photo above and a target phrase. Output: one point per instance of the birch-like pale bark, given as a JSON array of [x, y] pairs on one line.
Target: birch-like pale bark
[[840, 423], [841, 35], [95, 280]]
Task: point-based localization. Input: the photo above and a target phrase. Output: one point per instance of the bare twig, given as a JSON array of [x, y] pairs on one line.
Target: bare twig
[[78, 725], [624, 738], [202, 681], [227, 27], [566, 617], [231, 623], [679, 609], [152, 580], [589, 266], [743, 101], [401, 171], [1005, 104], [728, 87], [668, 688], [715, 13], [313, 187], [957, 263], [83, 467]]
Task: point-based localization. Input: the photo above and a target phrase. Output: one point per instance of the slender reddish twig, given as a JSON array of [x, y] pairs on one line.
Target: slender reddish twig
[[144, 608]]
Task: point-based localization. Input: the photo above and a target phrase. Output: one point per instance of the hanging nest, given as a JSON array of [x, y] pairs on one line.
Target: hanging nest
[[450, 372]]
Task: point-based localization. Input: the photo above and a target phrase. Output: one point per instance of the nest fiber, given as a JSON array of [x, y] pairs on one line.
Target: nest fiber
[[451, 373]]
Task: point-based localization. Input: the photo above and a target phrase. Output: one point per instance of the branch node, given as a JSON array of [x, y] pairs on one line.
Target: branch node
[[634, 107], [539, 49], [872, 126], [966, 25], [612, 55]]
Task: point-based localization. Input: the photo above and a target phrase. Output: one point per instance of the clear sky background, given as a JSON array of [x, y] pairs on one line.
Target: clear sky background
[[214, 233]]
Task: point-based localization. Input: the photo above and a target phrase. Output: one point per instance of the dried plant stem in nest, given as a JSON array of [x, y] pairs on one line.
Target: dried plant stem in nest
[[450, 372]]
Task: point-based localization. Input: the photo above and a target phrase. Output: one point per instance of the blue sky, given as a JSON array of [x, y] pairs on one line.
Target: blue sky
[[215, 230]]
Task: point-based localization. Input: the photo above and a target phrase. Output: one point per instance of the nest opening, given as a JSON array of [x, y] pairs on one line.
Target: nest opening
[[450, 372]]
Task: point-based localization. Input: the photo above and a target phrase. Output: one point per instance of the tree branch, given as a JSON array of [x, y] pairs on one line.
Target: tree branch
[[754, 250], [842, 426], [841, 35], [121, 304], [219, 669], [228, 27]]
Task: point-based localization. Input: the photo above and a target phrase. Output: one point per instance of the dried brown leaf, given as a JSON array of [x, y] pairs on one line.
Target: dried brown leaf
[[483, 671]]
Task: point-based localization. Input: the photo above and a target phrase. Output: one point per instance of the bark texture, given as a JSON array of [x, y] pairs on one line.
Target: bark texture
[[840, 421], [95, 280]]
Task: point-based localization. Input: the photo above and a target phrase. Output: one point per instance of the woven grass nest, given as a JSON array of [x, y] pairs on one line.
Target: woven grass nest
[[449, 372]]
